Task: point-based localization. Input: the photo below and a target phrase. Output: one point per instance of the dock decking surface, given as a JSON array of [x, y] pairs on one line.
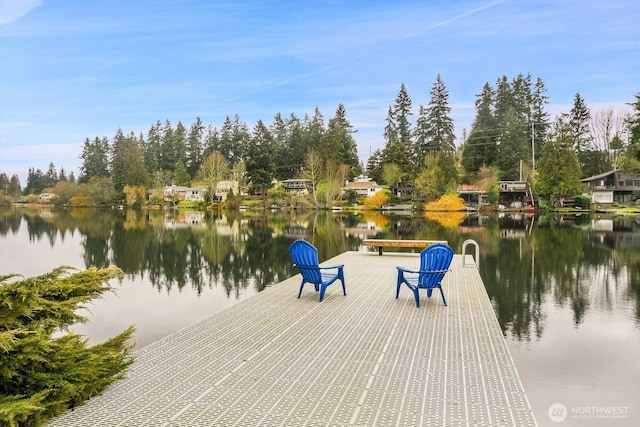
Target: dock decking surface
[[365, 359]]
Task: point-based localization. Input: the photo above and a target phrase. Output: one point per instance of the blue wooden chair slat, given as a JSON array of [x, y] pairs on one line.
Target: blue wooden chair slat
[[434, 264], [305, 258]]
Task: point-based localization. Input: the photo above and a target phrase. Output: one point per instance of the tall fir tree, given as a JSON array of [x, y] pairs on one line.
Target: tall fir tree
[[374, 166], [95, 159], [194, 154], [151, 148], [118, 160], [402, 113], [631, 160], [390, 133], [480, 148], [211, 141], [434, 128], [578, 130], [180, 144], [559, 170], [540, 117], [259, 162], [240, 139], [168, 157], [337, 145]]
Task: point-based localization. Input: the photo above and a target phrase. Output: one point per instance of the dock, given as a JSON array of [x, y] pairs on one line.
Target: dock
[[364, 359]]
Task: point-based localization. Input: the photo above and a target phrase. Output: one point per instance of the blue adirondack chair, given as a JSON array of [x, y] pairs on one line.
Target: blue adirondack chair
[[434, 264], [305, 258]]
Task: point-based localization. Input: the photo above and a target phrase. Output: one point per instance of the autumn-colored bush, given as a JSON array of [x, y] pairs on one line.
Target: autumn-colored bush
[[80, 201], [446, 203], [377, 200]]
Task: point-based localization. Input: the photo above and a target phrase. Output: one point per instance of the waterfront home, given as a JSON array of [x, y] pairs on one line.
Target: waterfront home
[[198, 192], [363, 187], [612, 186]]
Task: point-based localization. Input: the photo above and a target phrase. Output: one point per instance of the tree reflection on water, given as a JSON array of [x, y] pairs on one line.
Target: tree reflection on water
[[577, 262]]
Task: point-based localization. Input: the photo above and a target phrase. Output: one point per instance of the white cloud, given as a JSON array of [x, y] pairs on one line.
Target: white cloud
[[12, 10]]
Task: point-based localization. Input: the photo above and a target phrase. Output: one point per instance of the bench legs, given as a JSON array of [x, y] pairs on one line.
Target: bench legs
[[380, 250]]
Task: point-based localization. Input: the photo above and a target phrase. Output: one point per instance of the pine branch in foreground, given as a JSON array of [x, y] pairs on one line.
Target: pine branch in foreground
[[42, 376]]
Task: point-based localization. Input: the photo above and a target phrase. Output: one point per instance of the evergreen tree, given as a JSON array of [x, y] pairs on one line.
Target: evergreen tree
[[578, 129], [194, 147], [259, 160], [151, 148], [135, 171], [95, 159], [314, 129], [36, 182], [240, 141], [398, 127], [4, 183], [52, 176], [211, 141], [127, 162], [480, 148], [401, 113], [281, 147], [559, 170], [398, 153], [434, 128], [337, 145], [226, 140], [633, 121], [13, 188], [374, 166], [297, 147], [503, 100], [180, 141], [181, 176], [118, 160], [390, 130], [514, 115], [540, 117], [168, 158], [632, 153], [512, 148]]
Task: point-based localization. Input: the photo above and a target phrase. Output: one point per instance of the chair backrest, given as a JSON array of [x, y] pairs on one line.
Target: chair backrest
[[305, 258], [436, 257]]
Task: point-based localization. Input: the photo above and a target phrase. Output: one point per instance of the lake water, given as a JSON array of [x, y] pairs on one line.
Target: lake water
[[566, 290]]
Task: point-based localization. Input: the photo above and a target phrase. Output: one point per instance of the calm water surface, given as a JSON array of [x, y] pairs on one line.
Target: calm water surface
[[566, 290]]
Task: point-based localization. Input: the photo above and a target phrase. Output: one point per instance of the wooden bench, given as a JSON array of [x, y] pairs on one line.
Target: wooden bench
[[386, 243]]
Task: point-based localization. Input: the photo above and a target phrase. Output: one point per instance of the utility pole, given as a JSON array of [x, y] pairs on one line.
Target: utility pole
[[533, 148]]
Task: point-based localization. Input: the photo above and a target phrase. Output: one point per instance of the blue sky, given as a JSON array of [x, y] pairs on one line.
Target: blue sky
[[71, 70]]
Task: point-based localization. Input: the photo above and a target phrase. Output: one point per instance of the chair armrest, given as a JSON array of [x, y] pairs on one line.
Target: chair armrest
[[407, 270], [327, 267]]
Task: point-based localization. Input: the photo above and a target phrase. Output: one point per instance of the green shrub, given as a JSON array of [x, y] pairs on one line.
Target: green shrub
[[42, 376], [583, 201]]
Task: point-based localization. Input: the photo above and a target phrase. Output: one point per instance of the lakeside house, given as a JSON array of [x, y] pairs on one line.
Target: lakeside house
[[363, 186], [297, 186], [513, 194], [198, 192], [612, 186]]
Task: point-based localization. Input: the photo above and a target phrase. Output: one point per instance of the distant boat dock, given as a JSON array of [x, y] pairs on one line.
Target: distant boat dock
[[365, 359]]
